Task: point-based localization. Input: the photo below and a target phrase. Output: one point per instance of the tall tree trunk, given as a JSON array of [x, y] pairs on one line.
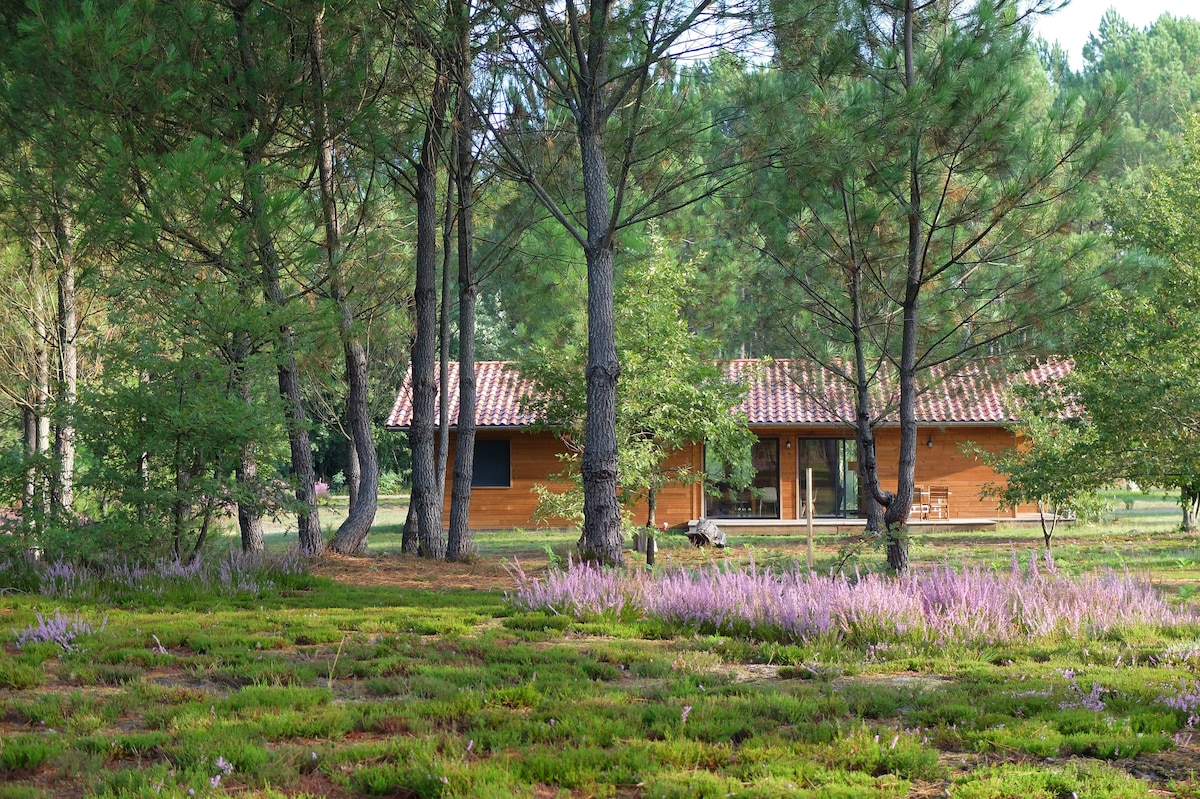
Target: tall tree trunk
[[443, 436], [426, 493], [601, 539], [29, 440], [68, 354], [246, 470], [353, 532], [409, 544], [459, 539], [38, 490], [873, 496], [250, 522], [896, 515], [308, 520], [353, 469], [143, 462], [42, 395], [1189, 500]]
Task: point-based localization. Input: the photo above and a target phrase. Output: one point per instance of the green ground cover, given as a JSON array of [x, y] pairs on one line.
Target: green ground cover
[[1138, 532], [302, 685]]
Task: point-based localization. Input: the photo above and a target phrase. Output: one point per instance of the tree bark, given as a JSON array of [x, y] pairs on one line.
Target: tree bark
[[408, 535], [353, 532], [29, 440], [426, 493], [353, 470], [601, 539], [68, 354], [898, 510], [459, 540], [249, 516], [42, 395], [443, 435], [39, 489], [1189, 500], [651, 507], [308, 522]]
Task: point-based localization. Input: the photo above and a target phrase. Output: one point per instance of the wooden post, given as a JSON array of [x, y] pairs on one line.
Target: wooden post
[[808, 512]]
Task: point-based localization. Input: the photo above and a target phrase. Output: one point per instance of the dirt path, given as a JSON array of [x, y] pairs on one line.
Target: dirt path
[[408, 571]]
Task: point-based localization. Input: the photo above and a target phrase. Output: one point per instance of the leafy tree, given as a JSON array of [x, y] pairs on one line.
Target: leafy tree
[[1054, 463], [1159, 68], [916, 200], [584, 132], [49, 167], [168, 431], [672, 393], [1136, 352]]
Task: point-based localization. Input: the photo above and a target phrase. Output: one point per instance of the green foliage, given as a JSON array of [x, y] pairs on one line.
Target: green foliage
[[1053, 464], [1020, 782], [1158, 69], [488, 704], [1134, 349], [26, 752]]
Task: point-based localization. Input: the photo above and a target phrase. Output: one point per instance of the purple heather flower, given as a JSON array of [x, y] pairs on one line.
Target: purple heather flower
[[939, 605]]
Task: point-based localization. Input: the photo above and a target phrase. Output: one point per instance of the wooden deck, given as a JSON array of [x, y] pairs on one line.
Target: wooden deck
[[834, 525]]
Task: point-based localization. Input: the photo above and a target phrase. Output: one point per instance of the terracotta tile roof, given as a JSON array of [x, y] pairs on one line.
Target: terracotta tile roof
[[498, 387], [784, 392]]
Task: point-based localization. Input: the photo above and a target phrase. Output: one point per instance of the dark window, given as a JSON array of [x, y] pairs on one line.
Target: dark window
[[493, 464], [835, 474], [759, 499]]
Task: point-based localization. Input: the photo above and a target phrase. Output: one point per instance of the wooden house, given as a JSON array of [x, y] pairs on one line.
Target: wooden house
[[800, 415]]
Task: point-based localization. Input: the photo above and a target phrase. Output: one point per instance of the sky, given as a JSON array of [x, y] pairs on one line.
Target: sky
[[1071, 26]]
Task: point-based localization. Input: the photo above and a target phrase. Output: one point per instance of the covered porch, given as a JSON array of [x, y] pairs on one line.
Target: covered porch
[[827, 525]]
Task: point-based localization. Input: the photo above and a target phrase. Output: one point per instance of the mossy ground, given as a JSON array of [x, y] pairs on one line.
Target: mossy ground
[[389, 676]]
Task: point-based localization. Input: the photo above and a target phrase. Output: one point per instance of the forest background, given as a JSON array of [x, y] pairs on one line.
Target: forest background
[[230, 227]]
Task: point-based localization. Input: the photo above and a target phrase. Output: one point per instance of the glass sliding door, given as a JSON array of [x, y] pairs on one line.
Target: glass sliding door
[[760, 498], [834, 464]]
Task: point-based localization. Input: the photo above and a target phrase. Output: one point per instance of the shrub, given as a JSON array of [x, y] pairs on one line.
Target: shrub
[[393, 482], [57, 629], [231, 572], [942, 606]]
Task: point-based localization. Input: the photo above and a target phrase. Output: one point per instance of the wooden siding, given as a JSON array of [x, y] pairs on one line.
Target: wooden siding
[[946, 464], [942, 464], [535, 458]]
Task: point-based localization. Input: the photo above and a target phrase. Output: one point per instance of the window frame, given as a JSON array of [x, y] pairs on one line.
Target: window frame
[[493, 444]]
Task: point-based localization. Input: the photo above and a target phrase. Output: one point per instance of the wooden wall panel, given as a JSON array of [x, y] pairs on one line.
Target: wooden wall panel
[[676, 503], [535, 459], [945, 464]]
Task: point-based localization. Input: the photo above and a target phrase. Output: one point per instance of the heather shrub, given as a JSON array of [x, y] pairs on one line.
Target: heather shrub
[[111, 578], [1185, 699], [888, 752], [941, 606], [1096, 781], [18, 676], [57, 629]]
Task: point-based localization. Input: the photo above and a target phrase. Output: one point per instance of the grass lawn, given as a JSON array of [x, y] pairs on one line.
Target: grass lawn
[[389, 676]]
